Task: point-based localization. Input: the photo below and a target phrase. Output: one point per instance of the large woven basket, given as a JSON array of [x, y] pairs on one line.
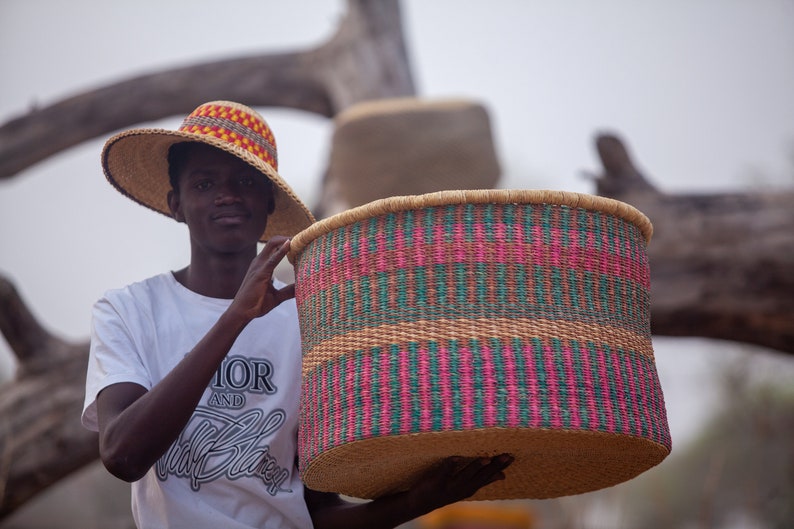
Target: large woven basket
[[476, 323]]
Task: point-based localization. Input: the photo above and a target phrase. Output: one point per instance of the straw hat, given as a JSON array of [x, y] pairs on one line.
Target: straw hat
[[411, 146], [136, 161]]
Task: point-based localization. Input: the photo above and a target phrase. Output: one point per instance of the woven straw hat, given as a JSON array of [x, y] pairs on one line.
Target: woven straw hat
[[411, 146], [136, 161]]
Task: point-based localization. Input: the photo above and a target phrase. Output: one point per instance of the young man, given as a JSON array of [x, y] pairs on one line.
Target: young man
[[194, 375]]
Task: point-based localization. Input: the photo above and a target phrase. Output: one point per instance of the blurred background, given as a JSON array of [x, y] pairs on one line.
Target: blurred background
[[701, 91]]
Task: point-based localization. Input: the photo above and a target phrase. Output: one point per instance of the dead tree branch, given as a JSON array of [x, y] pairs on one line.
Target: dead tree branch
[[365, 59], [722, 265]]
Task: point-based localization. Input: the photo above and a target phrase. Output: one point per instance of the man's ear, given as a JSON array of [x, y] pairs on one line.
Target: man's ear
[[174, 204]]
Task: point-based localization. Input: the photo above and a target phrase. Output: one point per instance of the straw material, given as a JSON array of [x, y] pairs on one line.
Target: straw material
[[475, 323], [136, 161], [393, 147]]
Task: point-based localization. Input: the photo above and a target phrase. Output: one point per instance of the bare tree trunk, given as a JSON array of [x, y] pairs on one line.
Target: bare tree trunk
[[365, 59], [41, 438], [722, 265]]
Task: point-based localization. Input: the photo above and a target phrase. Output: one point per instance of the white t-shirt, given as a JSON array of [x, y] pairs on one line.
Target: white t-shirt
[[233, 466]]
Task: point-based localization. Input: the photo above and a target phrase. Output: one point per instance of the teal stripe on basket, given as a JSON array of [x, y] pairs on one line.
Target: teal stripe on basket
[[377, 391], [502, 403], [563, 397], [457, 388], [415, 387], [396, 395], [543, 381], [437, 380], [523, 379], [477, 390]]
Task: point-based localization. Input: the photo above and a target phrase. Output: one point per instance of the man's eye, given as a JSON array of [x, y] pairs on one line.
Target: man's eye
[[203, 185], [247, 180]]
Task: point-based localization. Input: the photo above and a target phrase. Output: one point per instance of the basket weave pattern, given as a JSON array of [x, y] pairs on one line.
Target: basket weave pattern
[[467, 317]]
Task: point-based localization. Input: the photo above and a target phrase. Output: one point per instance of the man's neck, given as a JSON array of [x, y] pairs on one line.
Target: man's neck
[[217, 277]]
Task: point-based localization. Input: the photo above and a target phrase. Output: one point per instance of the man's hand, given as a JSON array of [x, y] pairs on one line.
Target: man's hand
[[456, 479], [257, 296]]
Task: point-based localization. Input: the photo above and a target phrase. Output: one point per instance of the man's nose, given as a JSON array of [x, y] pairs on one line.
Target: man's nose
[[227, 193]]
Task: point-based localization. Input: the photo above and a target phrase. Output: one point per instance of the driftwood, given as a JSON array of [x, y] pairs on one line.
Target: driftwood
[[365, 59], [41, 438], [722, 265]]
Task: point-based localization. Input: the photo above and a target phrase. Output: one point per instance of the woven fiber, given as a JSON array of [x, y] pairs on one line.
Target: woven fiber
[[386, 147], [136, 161], [475, 323]]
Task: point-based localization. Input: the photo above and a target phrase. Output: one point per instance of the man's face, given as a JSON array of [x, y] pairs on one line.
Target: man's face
[[224, 201]]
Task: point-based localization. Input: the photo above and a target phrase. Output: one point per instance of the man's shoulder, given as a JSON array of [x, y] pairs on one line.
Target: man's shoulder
[[147, 288]]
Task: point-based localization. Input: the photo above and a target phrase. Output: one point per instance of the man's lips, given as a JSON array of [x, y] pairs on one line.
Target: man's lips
[[228, 218]]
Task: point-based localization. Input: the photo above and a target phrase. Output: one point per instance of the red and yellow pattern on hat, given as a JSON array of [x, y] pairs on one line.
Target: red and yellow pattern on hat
[[245, 129]]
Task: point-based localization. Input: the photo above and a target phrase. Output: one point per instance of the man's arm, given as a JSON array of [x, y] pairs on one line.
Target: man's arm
[[136, 426], [454, 480]]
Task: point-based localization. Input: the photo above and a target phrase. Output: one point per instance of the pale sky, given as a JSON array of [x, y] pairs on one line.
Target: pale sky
[[701, 91]]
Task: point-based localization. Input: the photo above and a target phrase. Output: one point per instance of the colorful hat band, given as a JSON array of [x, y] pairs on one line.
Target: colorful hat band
[[235, 127]]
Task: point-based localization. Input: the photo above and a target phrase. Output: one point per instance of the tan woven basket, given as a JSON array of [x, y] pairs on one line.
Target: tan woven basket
[[475, 323]]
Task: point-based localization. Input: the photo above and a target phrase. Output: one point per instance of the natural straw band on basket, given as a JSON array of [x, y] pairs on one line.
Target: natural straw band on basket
[[474, 323]]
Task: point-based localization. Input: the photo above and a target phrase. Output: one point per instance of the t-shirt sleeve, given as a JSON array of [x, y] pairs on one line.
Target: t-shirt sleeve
[[113, 356]]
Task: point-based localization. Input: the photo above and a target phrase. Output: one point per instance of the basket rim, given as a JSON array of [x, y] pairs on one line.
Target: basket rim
[[398, 204]]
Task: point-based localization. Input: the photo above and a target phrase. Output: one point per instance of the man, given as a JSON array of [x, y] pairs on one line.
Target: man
[[194, 375]]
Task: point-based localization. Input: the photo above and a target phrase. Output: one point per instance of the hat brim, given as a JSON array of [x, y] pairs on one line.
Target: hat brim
[[136, 163]]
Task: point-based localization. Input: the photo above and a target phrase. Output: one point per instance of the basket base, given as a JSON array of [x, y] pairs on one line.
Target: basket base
[[548, 463]]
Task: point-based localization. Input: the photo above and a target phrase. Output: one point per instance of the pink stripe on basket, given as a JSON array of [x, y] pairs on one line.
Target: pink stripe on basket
[[533, 389], [490, 405], [553, 387], [635, 407], [573, 389], [350, 390], [399, 246], [405, 393], [650, 385], [366, 396], [574, 257], [606, 399], [589, 388], [499, 254], [445, 378], [617, 376], [466, 387], [619, 265], [511, 384], [333, 409], [382, 264], [519, 256], [386, 386], [425, 394], [538, 246], [347, 254], [337, 422]]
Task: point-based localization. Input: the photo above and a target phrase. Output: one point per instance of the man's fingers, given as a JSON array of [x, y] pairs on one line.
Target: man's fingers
[[485, 469], [285, 293]]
